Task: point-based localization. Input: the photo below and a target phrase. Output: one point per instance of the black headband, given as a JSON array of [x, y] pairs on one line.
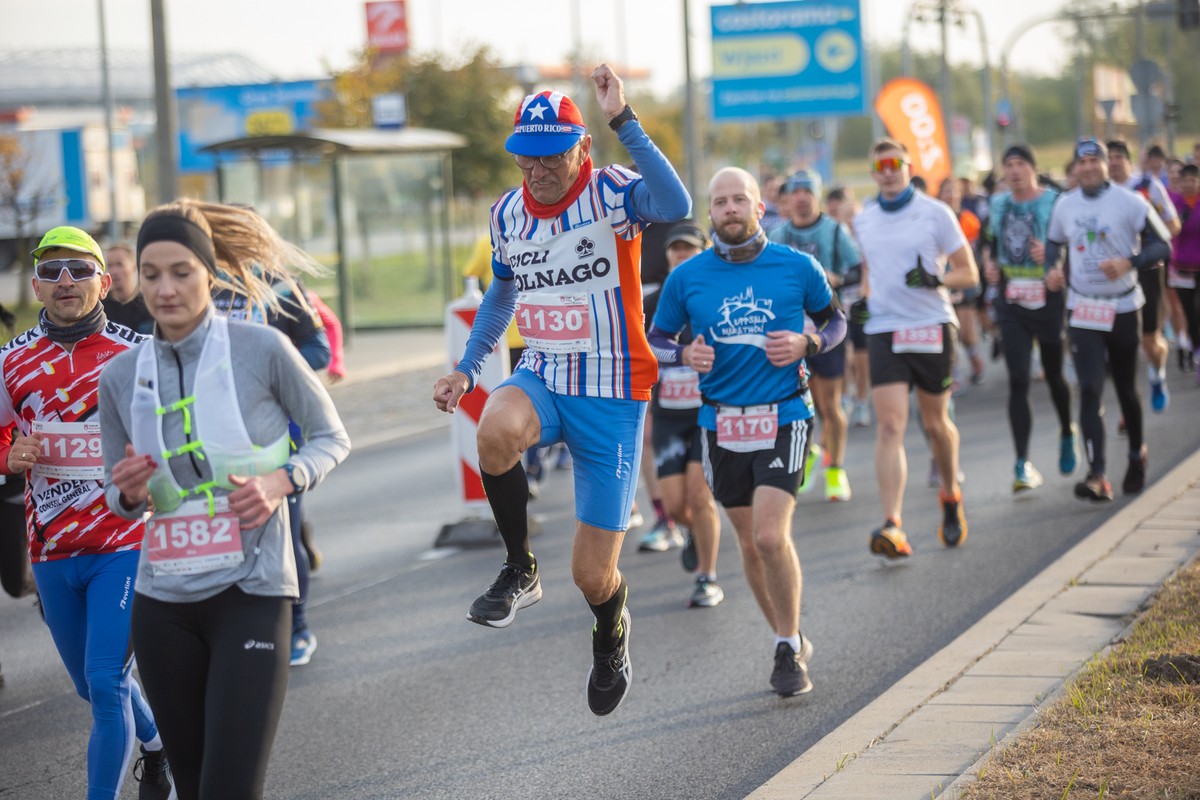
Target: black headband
[[171, 228]]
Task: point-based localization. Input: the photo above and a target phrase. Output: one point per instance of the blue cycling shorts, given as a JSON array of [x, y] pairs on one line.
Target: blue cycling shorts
[[604, 436]]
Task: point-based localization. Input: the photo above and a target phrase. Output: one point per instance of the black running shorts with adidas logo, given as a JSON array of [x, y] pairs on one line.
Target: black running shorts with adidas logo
[[734, 476]]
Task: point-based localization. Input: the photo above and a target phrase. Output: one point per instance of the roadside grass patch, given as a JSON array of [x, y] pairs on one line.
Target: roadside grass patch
[[1124, 728]]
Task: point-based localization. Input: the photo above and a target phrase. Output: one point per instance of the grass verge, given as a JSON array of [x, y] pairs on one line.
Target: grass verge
[[1117, 731]]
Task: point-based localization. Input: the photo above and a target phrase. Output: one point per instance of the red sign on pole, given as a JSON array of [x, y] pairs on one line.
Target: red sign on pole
[[387, 26]]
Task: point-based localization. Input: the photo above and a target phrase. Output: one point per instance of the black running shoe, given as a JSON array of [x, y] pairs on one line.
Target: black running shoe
[[513, 590], [953, 530], [1095, 488], [155, 778], [790, 676], [611, 672], [688, 555], [1135, 476]]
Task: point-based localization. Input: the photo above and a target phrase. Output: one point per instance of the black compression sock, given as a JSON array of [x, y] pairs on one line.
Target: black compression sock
[[508, 495], [608, 617]]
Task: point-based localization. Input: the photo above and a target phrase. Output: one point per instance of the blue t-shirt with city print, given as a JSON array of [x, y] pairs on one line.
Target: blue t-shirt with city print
[[735, 306]]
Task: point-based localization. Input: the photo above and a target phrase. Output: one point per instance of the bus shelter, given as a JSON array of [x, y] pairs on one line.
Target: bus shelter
[[371, 205]]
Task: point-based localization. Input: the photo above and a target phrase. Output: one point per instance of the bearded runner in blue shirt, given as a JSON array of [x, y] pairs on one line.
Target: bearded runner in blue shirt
[[746, 301]]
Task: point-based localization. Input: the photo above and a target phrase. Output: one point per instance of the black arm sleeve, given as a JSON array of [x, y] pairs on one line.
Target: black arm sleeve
[[1154, 249]]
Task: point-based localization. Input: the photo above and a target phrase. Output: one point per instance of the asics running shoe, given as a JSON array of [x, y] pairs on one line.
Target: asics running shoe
[[611, 672], [515, 588]]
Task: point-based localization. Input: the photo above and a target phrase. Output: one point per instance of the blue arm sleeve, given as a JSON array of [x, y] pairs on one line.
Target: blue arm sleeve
[[491, 321], [660, 196], [315, 349], [831, 326], [668, 351]]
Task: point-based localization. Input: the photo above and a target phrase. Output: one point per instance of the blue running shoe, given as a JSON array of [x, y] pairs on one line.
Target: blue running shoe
[[304, 644], [1068, 452], [1160, 398]]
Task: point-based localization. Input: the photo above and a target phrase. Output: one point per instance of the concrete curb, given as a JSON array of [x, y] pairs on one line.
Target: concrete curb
[[839, 765]]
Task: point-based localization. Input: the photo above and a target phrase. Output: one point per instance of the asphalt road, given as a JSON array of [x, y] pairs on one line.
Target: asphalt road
[[404, 698]]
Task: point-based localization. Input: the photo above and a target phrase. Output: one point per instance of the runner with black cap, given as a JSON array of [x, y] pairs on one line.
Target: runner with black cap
[[677, 445], [1111, 232], [1026, 312]]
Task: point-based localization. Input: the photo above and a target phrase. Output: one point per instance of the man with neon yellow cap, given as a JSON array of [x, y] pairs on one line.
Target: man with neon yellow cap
[[84, 557], [566, 251]]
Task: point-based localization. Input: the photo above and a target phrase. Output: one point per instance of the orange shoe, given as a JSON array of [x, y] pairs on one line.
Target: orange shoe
[[953, 529], [891, 542]]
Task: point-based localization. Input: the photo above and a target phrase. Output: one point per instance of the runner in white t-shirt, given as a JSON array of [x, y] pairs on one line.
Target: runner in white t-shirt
[[1152, 275], [1112, 233], [915, 252]]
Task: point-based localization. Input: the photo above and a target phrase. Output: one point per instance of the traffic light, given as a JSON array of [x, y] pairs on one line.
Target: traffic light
[[1189, 14]]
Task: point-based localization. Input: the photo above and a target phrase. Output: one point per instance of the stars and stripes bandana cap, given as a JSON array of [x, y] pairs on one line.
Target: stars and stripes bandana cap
[[546, 124]]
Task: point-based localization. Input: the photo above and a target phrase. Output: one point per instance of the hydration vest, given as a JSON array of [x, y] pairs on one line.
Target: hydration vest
[[212, 419]]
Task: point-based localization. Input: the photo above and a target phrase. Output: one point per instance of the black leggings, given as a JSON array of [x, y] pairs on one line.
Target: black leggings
[[1089, 348], [215, 673], [16, 576], [1018, 335]]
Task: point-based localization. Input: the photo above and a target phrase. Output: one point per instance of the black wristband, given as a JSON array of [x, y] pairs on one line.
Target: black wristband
[[814, 345], [620, 119]]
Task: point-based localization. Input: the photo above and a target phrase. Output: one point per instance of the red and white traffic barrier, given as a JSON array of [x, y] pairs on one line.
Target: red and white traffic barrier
[[464, 423]]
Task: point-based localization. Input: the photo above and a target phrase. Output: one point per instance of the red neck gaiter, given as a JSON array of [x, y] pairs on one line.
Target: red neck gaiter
[[543, 211]]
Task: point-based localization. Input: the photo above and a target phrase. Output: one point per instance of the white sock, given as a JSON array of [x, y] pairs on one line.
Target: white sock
[[1156, 374], [153, 745], [793, 642], [711, 577]]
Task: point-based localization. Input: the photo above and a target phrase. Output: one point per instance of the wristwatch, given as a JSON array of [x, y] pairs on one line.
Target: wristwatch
[[620, 119], [297, 488], [814, 345]]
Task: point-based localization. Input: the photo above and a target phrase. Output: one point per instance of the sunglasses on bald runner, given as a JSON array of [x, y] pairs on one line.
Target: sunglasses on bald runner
[[80, 269]]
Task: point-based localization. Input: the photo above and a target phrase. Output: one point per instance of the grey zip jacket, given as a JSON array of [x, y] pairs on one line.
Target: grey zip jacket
[[273, 383]]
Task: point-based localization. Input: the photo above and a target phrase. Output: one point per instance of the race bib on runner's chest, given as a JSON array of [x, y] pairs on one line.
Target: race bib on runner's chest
[[189, 541], [557, 281], [927, 339], [747, 430], [70, 451]]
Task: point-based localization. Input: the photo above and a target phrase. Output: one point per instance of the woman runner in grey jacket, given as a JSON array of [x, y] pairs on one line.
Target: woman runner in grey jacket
[[195, 437]]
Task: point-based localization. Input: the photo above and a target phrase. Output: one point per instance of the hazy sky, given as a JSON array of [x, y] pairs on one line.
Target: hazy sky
[[294, 38]]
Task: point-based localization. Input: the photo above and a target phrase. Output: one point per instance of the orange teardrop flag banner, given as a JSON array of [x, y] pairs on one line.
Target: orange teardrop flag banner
[[913, 116]]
